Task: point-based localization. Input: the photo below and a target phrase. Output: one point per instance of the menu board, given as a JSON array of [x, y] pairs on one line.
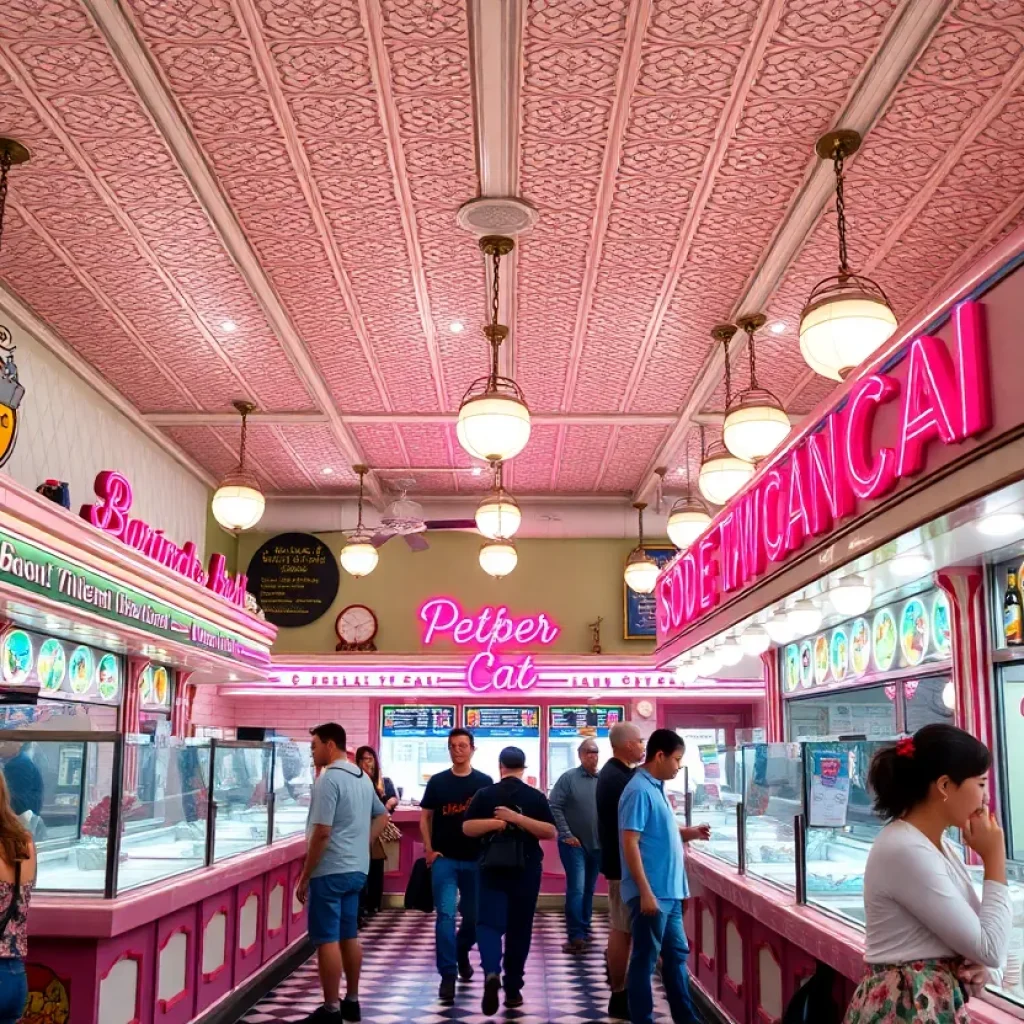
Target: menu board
[[294, 578], [584, 719], [512, 720], [417, 719], [640, 611], [58, 668]]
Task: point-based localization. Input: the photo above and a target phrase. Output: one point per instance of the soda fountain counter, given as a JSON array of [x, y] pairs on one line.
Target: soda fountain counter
[[871, 569]]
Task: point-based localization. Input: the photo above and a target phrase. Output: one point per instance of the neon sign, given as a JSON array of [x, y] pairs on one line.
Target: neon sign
[[945, 398], [489, 629], [111, 516]]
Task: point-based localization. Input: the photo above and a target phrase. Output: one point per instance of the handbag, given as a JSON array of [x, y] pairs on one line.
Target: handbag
[[504, 850], [419, 893]]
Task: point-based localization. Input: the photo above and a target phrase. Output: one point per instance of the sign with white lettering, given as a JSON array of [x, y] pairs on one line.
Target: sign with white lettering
[[294, 578]]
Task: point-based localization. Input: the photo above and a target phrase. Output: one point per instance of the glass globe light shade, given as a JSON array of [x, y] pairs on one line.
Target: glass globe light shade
[[493, 426], [910, 565], [359, 557], [641, 572], [722, 475], [755, 425], [687, 673], [238, 502], [498, 558], [498, 516], [709, 662], [805, 617], [755, 640], [687, 520], [779, 628], [852, 595], [843, 324], [730, 653]]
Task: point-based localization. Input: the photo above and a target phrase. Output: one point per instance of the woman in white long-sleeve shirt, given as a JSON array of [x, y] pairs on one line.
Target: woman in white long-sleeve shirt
[[929, 938]]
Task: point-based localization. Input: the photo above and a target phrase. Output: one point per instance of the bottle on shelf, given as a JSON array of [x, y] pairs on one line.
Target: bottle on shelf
[[1013, 612]]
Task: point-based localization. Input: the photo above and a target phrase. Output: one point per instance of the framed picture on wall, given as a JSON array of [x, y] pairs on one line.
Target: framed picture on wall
[[639, 613]]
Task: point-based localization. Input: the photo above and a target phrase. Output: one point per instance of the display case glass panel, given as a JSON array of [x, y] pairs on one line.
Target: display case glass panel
[[693, 768], [570, 724], [772, 798], [241, 782], [414, 745], [496, 726], [870, 711], [293, 784], [716, 790]]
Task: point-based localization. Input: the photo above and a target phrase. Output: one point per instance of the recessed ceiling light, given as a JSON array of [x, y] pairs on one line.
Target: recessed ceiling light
[[778, 327], [1000, 524], [327, 471], [227, 326], [456, 327]]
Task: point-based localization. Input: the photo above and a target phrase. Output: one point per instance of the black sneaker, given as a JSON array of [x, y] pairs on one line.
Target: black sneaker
[[446, 991], [618, 1005], [321, 1015], [465, 967], [350, 1009], [513, 1000], [489, 1003]]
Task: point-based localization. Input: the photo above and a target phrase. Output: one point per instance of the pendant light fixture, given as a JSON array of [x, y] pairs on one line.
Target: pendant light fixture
[[852, 595], [498, 515], [238, 502], [686, 672], [359, 557], [494, 421], [730, 652], [847, 317], [641, 571], [689, 516], [755, 422], [804, 617], [722, 475], [755, 640], [498, 557]]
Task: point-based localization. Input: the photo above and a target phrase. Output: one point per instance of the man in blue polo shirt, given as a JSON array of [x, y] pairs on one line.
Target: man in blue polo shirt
[[654, 882]]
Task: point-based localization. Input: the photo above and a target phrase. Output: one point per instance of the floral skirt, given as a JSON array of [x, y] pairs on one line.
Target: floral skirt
[[922, 992]]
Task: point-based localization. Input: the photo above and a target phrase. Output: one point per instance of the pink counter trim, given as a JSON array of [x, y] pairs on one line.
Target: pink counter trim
[[86, 917]]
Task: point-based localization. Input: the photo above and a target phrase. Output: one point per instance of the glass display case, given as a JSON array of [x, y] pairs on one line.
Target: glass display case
[[715, 800], [112, 813], [772, 799]]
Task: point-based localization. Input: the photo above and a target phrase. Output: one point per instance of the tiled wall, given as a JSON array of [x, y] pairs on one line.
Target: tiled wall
[[69, 432]]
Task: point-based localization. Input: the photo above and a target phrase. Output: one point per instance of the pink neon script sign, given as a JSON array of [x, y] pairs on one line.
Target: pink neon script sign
[[489, 629]]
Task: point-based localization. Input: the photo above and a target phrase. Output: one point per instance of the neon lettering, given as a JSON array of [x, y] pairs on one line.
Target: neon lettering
[[752, 553], [771, 514], [707, 569], [872, 473], [689, 586], [730, 565], [798, 520], [972, 369], [929, 403], [829, 494]]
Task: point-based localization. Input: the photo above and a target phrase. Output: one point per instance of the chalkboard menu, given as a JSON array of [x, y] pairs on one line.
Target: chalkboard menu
[[640, 611], [417, 719], [512, 720], [294, 577], [584, 719]]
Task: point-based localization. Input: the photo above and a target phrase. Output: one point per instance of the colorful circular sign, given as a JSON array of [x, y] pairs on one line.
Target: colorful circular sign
[[820, 659], [146, 685], [839, 655], [806, 664], [941, 628], [108, 676], [792, 667], [860, 646], [914, 632], [161, 687], [81, 670], [884, 639], [17, 657], [51, 666]]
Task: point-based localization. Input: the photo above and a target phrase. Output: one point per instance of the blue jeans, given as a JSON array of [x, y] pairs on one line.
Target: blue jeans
[[456, 885], [661, 935], [508, 901], [13, 991], [581, 868]]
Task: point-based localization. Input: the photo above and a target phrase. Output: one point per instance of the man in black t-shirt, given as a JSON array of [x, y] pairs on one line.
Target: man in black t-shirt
[[627, 750], [508, 896], [452, 858]]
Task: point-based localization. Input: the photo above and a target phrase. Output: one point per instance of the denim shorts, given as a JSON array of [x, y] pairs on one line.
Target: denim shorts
[[333, 907], [13, 990]]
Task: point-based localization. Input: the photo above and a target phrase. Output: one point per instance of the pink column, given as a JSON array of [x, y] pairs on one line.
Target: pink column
[[181, 712], [130, 721], [774, 723]]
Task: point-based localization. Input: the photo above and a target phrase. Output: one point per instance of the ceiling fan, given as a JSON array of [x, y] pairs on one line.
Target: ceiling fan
[[404, 518]]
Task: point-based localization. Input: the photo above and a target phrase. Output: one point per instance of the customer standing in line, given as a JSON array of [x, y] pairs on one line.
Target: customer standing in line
[[627, 750], [927, 932], [574, 804], [17, 877], [654, 882], [372, 897], [452, 858], [516, 814], [345, 819]]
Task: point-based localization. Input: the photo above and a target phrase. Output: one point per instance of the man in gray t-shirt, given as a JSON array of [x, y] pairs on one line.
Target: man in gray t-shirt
[[345, 818]]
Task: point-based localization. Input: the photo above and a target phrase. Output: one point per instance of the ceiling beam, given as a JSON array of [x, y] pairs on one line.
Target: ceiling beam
[[137, 65], [211, 419], [900, 50]]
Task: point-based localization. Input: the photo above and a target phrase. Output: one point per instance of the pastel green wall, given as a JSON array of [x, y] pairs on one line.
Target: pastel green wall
[[573, 581]]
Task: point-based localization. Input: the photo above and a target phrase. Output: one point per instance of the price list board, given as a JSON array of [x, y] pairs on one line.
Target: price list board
[[511, 720], [584, 719], [417, 719]]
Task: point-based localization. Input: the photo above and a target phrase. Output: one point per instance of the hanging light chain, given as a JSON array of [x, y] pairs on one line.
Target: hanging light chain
[[495, 285], [728, 371], [245, 434], [751, 351], [359, 521], [5, 166], [703, 449], [837, 160]]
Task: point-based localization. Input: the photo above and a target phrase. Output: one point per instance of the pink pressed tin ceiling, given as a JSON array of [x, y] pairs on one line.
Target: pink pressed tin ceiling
[[295, 167]]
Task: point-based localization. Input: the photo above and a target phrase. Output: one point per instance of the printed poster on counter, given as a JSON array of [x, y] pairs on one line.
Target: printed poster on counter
[[830, 789], [514, 721], [712, 773]]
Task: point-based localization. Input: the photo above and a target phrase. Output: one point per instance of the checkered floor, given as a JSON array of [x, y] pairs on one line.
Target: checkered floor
[[399, 984]]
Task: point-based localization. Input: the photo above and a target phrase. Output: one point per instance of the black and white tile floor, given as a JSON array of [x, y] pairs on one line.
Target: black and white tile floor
[[399, 983]]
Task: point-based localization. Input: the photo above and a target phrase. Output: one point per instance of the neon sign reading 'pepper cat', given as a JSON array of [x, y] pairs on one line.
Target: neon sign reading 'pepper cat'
[[943, 396], [489, 629]]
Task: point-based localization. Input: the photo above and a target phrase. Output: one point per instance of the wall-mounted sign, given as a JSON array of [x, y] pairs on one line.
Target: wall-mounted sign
[[58, 668], [35, 570], [155, 687], [489, 629], [11, 394], [941, 397], [111, 516], [417, 719], [295, 579], [640, 611], [584, 719], [511, 721]]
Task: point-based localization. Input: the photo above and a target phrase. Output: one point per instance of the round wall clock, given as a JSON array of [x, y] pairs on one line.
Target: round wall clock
[[644, 708], [356, 627]]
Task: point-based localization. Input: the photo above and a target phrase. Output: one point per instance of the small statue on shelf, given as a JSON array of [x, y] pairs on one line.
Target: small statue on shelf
[[595, 633]]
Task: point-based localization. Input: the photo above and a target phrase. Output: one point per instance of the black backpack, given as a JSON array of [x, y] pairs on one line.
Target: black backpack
[[814, 1003]]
